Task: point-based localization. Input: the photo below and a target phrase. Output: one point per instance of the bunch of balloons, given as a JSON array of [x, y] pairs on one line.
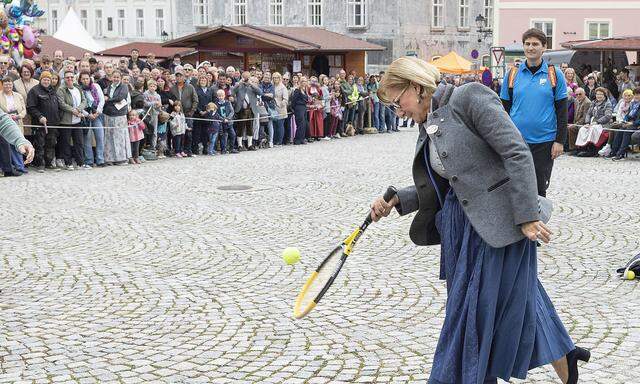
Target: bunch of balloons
[[17, 38]]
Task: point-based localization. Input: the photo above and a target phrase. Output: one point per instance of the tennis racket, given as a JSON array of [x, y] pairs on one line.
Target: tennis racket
[[321, 279]]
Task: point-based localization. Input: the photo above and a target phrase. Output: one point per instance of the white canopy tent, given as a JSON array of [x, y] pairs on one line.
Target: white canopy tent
[[71, 31]]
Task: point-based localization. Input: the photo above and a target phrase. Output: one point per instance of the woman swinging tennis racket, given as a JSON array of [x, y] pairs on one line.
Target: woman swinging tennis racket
[[475, 194]]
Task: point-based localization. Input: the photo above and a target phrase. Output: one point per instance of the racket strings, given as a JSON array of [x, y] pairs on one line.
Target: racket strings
[[324, 274]]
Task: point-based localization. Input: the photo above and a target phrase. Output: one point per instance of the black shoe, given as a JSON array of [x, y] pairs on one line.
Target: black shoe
[[234, 151], [101, 165], [572, 362], [587, 154], [12, 173]]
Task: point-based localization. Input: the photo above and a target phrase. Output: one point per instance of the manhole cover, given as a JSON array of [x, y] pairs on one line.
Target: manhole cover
[[234, 187]]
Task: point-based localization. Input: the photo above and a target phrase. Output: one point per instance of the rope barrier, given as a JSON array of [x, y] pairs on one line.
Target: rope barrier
[[46, 127], [197, 118]]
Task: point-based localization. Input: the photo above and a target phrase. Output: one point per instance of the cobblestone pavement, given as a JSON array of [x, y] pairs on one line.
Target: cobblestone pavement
[[152, 274]]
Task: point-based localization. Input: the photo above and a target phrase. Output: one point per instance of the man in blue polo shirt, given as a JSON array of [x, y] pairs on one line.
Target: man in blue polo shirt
[[535, 96]]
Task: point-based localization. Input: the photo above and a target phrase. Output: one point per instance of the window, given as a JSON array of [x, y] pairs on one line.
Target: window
[[201, 12], [110, 24], [159, 22], [315, 13], [463, 14], [98, 31], [140, 22], [488, 13], [437, 20], [545, 26], [54, 21], [121, 29], [83, 18], [357, 13], [598, 29], [275, 12], [240, 12]]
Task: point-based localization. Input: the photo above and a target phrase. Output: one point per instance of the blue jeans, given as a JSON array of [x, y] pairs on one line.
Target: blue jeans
[[390, 119], [94, 127], [620, 143], [177, 143], [374, 115], [270, 130], [381, 117], [228, 133], [213, 137], [17, 160], [351, 116], [278, 135]]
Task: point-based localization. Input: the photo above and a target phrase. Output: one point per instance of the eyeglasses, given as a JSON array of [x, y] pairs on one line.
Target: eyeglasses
[[396, 101], [4, 62]]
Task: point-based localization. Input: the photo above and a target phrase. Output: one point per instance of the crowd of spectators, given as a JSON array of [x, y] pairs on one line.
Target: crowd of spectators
[[85, 113]]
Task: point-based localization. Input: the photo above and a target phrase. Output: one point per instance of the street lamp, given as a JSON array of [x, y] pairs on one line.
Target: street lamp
[[483, 29], [480, 20]]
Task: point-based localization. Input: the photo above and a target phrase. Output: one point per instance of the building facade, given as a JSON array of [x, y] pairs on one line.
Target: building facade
[[422, 28], [565, 20], [117, 22], [426, 29]]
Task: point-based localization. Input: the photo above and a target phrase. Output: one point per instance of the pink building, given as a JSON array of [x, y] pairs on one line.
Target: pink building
[[565, 20]]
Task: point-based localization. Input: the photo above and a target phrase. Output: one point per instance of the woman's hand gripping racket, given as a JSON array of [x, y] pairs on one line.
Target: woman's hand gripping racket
[[321, 279]]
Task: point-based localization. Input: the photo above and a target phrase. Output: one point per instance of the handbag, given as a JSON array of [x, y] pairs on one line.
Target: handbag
[[263, 112]]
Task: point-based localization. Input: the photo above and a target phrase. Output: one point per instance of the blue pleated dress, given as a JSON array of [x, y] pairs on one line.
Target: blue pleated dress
[[499, 321]]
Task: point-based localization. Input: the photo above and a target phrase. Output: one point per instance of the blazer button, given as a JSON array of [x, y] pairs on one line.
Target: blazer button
[[465, 202], [454, 178], [438, 133], [444, 154]]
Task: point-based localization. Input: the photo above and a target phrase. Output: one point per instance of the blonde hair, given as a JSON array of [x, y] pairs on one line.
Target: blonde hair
[[405, 71], [212, 107], [627, 92]]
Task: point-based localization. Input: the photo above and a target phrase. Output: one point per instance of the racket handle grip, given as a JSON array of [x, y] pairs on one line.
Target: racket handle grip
[[389, 193]]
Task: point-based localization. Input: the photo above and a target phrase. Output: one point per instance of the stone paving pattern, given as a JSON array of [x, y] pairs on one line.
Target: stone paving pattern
[[152, 274]]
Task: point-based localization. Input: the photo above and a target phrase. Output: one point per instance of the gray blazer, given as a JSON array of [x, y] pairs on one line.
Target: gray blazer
[[240, 90], [490, 167]]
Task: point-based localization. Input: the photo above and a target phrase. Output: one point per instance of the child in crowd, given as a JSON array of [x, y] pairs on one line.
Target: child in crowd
[[163, 121], [213, 127], [136, 135], [178, 125], [336, 110], [152, 103], [227, 132]]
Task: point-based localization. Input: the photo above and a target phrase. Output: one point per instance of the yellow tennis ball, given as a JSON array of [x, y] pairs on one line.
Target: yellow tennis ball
[[630, 275], [291, 255]]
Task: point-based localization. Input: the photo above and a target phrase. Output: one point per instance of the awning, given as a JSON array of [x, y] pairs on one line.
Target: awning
[[453, 63], [631, 43]]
